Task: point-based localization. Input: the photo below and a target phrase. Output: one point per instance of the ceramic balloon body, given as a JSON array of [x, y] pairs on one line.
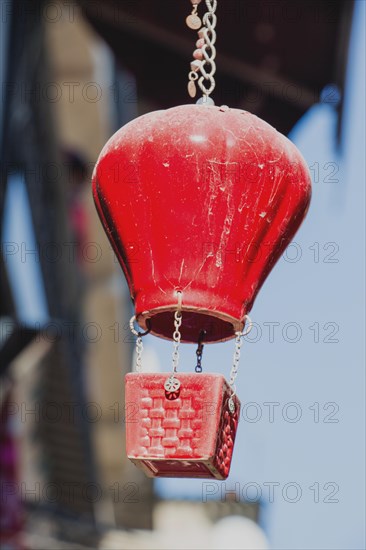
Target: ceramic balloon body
[[200, 200]]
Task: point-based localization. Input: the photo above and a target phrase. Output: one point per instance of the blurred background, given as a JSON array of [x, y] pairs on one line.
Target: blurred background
[[71, 73]]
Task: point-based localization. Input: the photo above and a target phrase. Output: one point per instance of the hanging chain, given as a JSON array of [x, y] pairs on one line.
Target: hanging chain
[[208, 33], [172, 384], [205, 54], [139, 344], [176, 340], [199, 351], [139, 350], [236, 358], [198, 367]]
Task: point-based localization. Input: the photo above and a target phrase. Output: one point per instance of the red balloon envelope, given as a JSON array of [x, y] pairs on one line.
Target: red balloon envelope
[[202, 200]]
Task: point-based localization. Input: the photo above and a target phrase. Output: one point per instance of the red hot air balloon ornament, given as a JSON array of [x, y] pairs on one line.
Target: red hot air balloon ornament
[[198, 202]]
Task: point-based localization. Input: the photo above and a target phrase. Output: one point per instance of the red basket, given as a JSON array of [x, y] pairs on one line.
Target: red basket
[[190, 436]]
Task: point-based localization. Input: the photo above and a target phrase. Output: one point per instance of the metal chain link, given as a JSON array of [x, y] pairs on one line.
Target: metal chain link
[[139, 344], [208, 33], [139, 350], [236, 358], [199, 350], [198, 367], [205, 54], [176, 340], [172, 384]]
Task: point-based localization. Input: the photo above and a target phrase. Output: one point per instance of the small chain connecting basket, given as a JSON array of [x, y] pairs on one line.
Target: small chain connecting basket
[[182, 425]]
